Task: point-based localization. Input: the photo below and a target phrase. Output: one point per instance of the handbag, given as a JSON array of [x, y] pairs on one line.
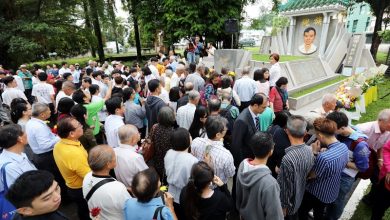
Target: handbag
[[147, 146], [7, 210]]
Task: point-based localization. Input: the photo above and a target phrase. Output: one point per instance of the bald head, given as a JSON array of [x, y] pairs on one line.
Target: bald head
[[128, 134], [99, 158], [188, 86]]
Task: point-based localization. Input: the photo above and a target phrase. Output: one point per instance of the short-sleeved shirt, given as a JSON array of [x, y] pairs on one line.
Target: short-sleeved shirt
[[71, 159], [18, 164], [135, 210], [93, 117], [221, 158], [328, 167], [26, 82], [376, 139], [43, 92]]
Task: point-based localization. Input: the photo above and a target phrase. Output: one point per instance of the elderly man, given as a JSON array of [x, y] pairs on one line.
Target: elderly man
[[196, 78], [101, 190], [295, 167], [185, 114], [67, 90], [245, 87], [188, 86], [42, 141], [129, 161], [329, 102], [378, 132], [71, 159]]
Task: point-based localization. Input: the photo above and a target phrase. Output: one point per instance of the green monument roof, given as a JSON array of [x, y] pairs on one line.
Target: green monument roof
[[303, 4]]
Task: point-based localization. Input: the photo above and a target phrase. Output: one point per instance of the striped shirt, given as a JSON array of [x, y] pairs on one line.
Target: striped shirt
[[221, 158], [294, 169], [328, 168]]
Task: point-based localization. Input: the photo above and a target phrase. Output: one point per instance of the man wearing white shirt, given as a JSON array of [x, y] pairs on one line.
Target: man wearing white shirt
[[64, 69], [114, 121], [153, 67], [76, 75], [67, 90], [11, 92], [245, 88], [111, 196], [185, 114], [129, 162], [175, 79], [42, 91]]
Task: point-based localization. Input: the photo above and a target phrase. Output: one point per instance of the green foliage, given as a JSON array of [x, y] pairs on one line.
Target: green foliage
[[263, 21], [279, 23], [31, 29], [385, 35]]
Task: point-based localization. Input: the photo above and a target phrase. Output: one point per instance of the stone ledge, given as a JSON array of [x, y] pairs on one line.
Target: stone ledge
[[297, 103]]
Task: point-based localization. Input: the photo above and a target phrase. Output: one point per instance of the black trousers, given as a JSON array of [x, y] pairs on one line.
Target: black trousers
[[76, 195], [311, 202], [30, 99], [381, 201], [46, 162]]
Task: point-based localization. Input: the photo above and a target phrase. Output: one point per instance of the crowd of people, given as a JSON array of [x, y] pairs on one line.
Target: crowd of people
[[177, 140]]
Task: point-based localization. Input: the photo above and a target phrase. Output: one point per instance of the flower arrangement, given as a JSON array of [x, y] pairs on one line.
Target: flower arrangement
[[351, 89]]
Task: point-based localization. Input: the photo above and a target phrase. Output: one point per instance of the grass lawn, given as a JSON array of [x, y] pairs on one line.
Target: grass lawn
[[381, 57], [319, 86], [265, 57], [363, 212]]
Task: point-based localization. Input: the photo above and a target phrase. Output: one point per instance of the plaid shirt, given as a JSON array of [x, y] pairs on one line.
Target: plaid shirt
[[221, 158]]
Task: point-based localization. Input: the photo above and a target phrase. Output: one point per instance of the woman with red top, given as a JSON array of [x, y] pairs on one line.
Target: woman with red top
[[278, 96], [382, 196]]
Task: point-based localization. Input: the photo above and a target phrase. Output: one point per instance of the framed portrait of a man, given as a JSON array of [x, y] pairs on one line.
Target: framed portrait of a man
[[308, 47]]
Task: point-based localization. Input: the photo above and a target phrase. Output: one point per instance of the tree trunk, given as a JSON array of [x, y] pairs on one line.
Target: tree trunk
[[89, 27], [376, 39], [96, 28], [136, 30]]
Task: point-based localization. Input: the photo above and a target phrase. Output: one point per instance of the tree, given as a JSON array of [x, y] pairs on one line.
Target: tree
[[93, 6], [29, 30], [263, 21], [378, 8]]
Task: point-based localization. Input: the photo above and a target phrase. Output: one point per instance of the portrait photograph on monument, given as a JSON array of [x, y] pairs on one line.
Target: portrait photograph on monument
[[308, 47]]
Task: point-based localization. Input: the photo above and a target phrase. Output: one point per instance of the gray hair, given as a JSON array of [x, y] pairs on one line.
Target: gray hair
[[296, 125], [166, 117], [384, 115], [246, 70], [38, 108], [200, 67], [329, 97], [99, 156], [188, 86], [126, 132], [193, 94], [68, 84], [168, 72], [180, 67]]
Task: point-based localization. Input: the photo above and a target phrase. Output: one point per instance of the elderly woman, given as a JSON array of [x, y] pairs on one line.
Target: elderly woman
[[160, 135]]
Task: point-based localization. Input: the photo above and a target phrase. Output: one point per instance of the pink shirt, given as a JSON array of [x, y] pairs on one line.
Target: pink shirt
[[376, 139], [276, 100], [386, 160]]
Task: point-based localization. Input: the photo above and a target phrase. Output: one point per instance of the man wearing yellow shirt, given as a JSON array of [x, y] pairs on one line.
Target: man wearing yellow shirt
[[71, 159]]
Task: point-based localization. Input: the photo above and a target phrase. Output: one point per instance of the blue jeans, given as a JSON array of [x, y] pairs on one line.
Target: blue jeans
[[191, 57], [335, 210]]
